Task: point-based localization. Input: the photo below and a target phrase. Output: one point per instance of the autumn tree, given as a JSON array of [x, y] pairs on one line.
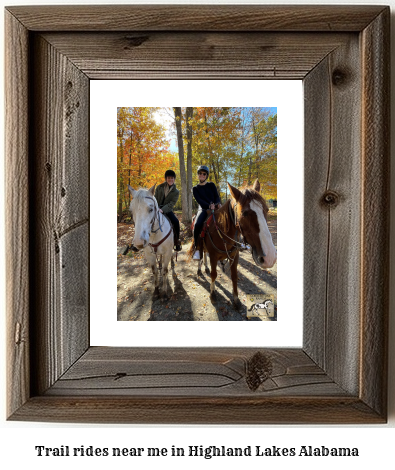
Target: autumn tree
[[214, 139], [184, 184], [189, 134], [237, 144], [143, 151]]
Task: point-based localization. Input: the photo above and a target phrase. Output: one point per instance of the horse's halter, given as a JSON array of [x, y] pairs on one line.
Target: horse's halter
[[233, 215], [155, 216], [238, 226]]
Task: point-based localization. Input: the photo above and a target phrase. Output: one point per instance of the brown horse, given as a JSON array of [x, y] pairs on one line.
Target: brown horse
[[243, 216]]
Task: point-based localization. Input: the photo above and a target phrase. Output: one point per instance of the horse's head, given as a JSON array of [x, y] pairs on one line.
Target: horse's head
[[143, 208], [251, 216]]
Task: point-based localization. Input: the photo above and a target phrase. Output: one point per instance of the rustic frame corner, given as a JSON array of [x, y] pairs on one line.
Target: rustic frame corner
[[340, 374]]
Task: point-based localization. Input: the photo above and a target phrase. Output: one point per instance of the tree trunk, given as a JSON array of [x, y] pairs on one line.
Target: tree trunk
[[189, 116], [256, 141], [249, 171], [184, 200], [121, 189], [213, 171], [130, 159]]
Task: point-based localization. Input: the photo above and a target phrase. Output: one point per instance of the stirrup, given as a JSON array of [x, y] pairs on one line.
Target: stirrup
[[196, 256]]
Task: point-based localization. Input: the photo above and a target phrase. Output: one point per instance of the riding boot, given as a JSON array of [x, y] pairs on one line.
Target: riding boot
[[177, 246]]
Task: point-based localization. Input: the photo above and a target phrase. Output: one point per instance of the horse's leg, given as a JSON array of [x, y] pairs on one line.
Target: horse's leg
[[172, 261], [223, 263], [199, 271], [233, 273], [205, 263], [165, 269], [213, 262], [151, 258]]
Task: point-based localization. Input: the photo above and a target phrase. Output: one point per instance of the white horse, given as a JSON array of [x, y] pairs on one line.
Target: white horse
[[153, 234]]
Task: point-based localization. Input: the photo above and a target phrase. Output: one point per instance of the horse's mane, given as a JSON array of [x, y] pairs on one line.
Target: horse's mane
[[252, 195], [223, 216], [141, 194], [248, 195]]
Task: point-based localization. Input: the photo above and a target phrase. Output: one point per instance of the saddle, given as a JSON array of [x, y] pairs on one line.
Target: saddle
[[207, 222], [206, 226], [172, 227]]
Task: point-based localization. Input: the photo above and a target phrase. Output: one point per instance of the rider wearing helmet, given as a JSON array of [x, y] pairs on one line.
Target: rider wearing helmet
[[167, 195], [206, 195]]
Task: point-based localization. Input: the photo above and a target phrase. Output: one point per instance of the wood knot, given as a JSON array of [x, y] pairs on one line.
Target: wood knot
[[63, 192], [119, 375], [18, 334], [340, 77], [259, 369], [135, 41], [330, 199]]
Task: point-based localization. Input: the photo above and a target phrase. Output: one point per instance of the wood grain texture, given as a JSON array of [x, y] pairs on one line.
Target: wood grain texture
[[339, 376], [191, 372], [333, 223], [198, 410], [17, 212], [196, 17], [60, 247], [376, 211], [196, 55]]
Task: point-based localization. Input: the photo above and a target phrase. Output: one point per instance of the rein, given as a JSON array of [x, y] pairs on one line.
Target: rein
[[220, 233], [155, 245], [155, 217]]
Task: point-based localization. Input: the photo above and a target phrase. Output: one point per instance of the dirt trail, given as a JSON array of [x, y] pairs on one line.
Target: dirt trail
[[189, 293]]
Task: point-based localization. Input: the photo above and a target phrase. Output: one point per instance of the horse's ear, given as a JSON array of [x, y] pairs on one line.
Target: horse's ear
[[236, 194], [256, 186], [132, 191], [152, 190]]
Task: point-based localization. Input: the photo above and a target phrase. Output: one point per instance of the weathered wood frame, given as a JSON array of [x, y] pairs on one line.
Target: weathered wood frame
[[340, 374]]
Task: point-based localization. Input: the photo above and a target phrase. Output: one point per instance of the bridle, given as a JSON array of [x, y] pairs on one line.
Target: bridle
[[236, 223], [155, 216], [155, 246]]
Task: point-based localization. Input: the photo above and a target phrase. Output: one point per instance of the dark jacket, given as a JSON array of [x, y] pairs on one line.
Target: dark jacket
[[205, 194], [166, 203]]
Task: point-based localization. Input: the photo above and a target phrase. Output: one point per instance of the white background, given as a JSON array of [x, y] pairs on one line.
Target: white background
[[287, 96], [17, 440]]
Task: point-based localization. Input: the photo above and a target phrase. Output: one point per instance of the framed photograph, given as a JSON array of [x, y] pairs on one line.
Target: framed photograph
[[280, 139], [339, 374]]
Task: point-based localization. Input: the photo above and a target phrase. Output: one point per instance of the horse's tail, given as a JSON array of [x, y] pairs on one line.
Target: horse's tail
[[252, 306], [190, 251]]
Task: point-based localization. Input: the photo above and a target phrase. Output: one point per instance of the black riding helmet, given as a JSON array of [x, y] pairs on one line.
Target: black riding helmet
[[203, 168], [170, 173]]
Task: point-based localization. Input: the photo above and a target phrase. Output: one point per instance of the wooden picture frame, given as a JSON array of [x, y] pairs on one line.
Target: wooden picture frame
[[340, 373]]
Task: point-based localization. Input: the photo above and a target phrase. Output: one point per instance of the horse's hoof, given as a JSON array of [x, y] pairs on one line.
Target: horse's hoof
[[238, 305], [208, 271], [213, 296], [165, 296], [199, 272]]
